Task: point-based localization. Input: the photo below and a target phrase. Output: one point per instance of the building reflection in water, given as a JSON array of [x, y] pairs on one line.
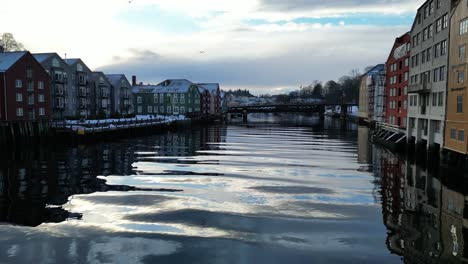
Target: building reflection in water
[[35, 183], [424, 209]]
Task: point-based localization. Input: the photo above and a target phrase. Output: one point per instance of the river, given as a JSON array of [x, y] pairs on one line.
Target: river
[[271, 191]]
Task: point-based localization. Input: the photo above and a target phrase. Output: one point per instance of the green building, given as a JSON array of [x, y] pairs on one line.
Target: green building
[[171, 97]]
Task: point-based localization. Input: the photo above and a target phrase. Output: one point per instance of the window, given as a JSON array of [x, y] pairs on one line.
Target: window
[[436, 125], [437, 50], [406, 62], [182, 98], [19, 112], [436, 75], [42, 111], [40, 85], [442, 73], [461, 51], [461, 135], [161, 98], [29, 73], [176, 110], [139, 99], [430, 31], [156, 98], [423, 57], [55, 63], [443, 47], [19, 97], [439, 4], [441, 99], [40, 98], [169, 110], [460, 104], [463, 26], [31, 100], [176, 98], [428, 54], [461, 77], [445, 21], [161, 109], [18, 84], [438, 25], [30, 86], [434, 99], [182, 110], [453, 133], [140, 109], [405, 104], [150, 109]]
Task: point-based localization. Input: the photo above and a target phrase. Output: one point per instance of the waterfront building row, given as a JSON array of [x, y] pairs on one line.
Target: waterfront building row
[[45, 86], [178, 97], [424, 92]]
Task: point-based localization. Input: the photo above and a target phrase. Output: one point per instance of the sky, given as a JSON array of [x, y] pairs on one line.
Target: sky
[[267, 46]]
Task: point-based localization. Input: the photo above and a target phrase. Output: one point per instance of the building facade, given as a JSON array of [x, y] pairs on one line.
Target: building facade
[[24, 88], [60, 88], [457, 117], [376, 93], [171, 97], [397, 80], [428, 73], [215, 94], [121, 95], [364, 100], [80, 90], [100, 95]]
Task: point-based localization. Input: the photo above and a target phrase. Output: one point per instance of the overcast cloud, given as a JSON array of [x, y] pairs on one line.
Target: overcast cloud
[[268, 45]]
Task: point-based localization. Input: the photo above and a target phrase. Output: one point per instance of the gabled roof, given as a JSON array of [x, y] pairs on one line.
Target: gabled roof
[[114, 79], [8, 59], [41, 57], [71, 61], [96, 75], [212, 87], [168, 86]]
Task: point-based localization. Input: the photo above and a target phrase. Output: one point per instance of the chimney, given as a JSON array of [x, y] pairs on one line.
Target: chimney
[[134, 80]]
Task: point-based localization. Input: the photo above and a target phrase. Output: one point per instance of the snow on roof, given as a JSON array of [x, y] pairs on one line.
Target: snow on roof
[[8, 59], [168, 86], [212, 87]]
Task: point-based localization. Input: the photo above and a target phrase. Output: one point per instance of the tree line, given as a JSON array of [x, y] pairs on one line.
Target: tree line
[[345, 89]]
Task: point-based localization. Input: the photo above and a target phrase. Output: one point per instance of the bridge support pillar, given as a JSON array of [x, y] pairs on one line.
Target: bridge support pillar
[[344, 111], [322, 112], [245, 116]]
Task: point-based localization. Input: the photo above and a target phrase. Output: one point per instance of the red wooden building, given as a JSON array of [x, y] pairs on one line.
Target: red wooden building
[[24, 88], [397, 80]]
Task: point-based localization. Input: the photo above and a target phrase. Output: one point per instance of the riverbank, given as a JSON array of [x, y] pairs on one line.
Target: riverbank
[[69, 132]]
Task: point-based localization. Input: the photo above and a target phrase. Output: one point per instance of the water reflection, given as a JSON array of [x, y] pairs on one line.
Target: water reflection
[[294, 191], [36, 182], [423, 209]]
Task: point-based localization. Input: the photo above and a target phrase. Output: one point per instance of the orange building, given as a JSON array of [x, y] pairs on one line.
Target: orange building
[[457, 99]]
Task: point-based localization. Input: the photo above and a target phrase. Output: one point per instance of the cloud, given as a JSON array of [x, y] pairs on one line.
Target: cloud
[[299, 58], [339, 6]]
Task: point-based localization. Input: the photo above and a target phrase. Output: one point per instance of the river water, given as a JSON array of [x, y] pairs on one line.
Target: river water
[[272, 191]]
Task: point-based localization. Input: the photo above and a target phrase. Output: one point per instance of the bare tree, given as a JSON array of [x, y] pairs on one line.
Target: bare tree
[[8, 43]]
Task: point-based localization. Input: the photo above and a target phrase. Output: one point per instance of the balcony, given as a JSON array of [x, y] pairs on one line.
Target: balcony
[[104, 94], [420, 88], [82, 93]]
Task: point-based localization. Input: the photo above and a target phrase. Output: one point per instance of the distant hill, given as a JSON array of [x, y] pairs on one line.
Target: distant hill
[[245, 93]]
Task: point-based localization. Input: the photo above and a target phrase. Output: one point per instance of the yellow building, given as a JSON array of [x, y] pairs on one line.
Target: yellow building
[[457, 117], [364, 100]]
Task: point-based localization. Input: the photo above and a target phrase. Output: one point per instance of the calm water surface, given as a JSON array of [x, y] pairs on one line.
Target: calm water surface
[[267, 192]]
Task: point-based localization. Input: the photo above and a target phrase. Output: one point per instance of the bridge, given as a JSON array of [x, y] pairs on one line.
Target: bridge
[[315, 108]]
